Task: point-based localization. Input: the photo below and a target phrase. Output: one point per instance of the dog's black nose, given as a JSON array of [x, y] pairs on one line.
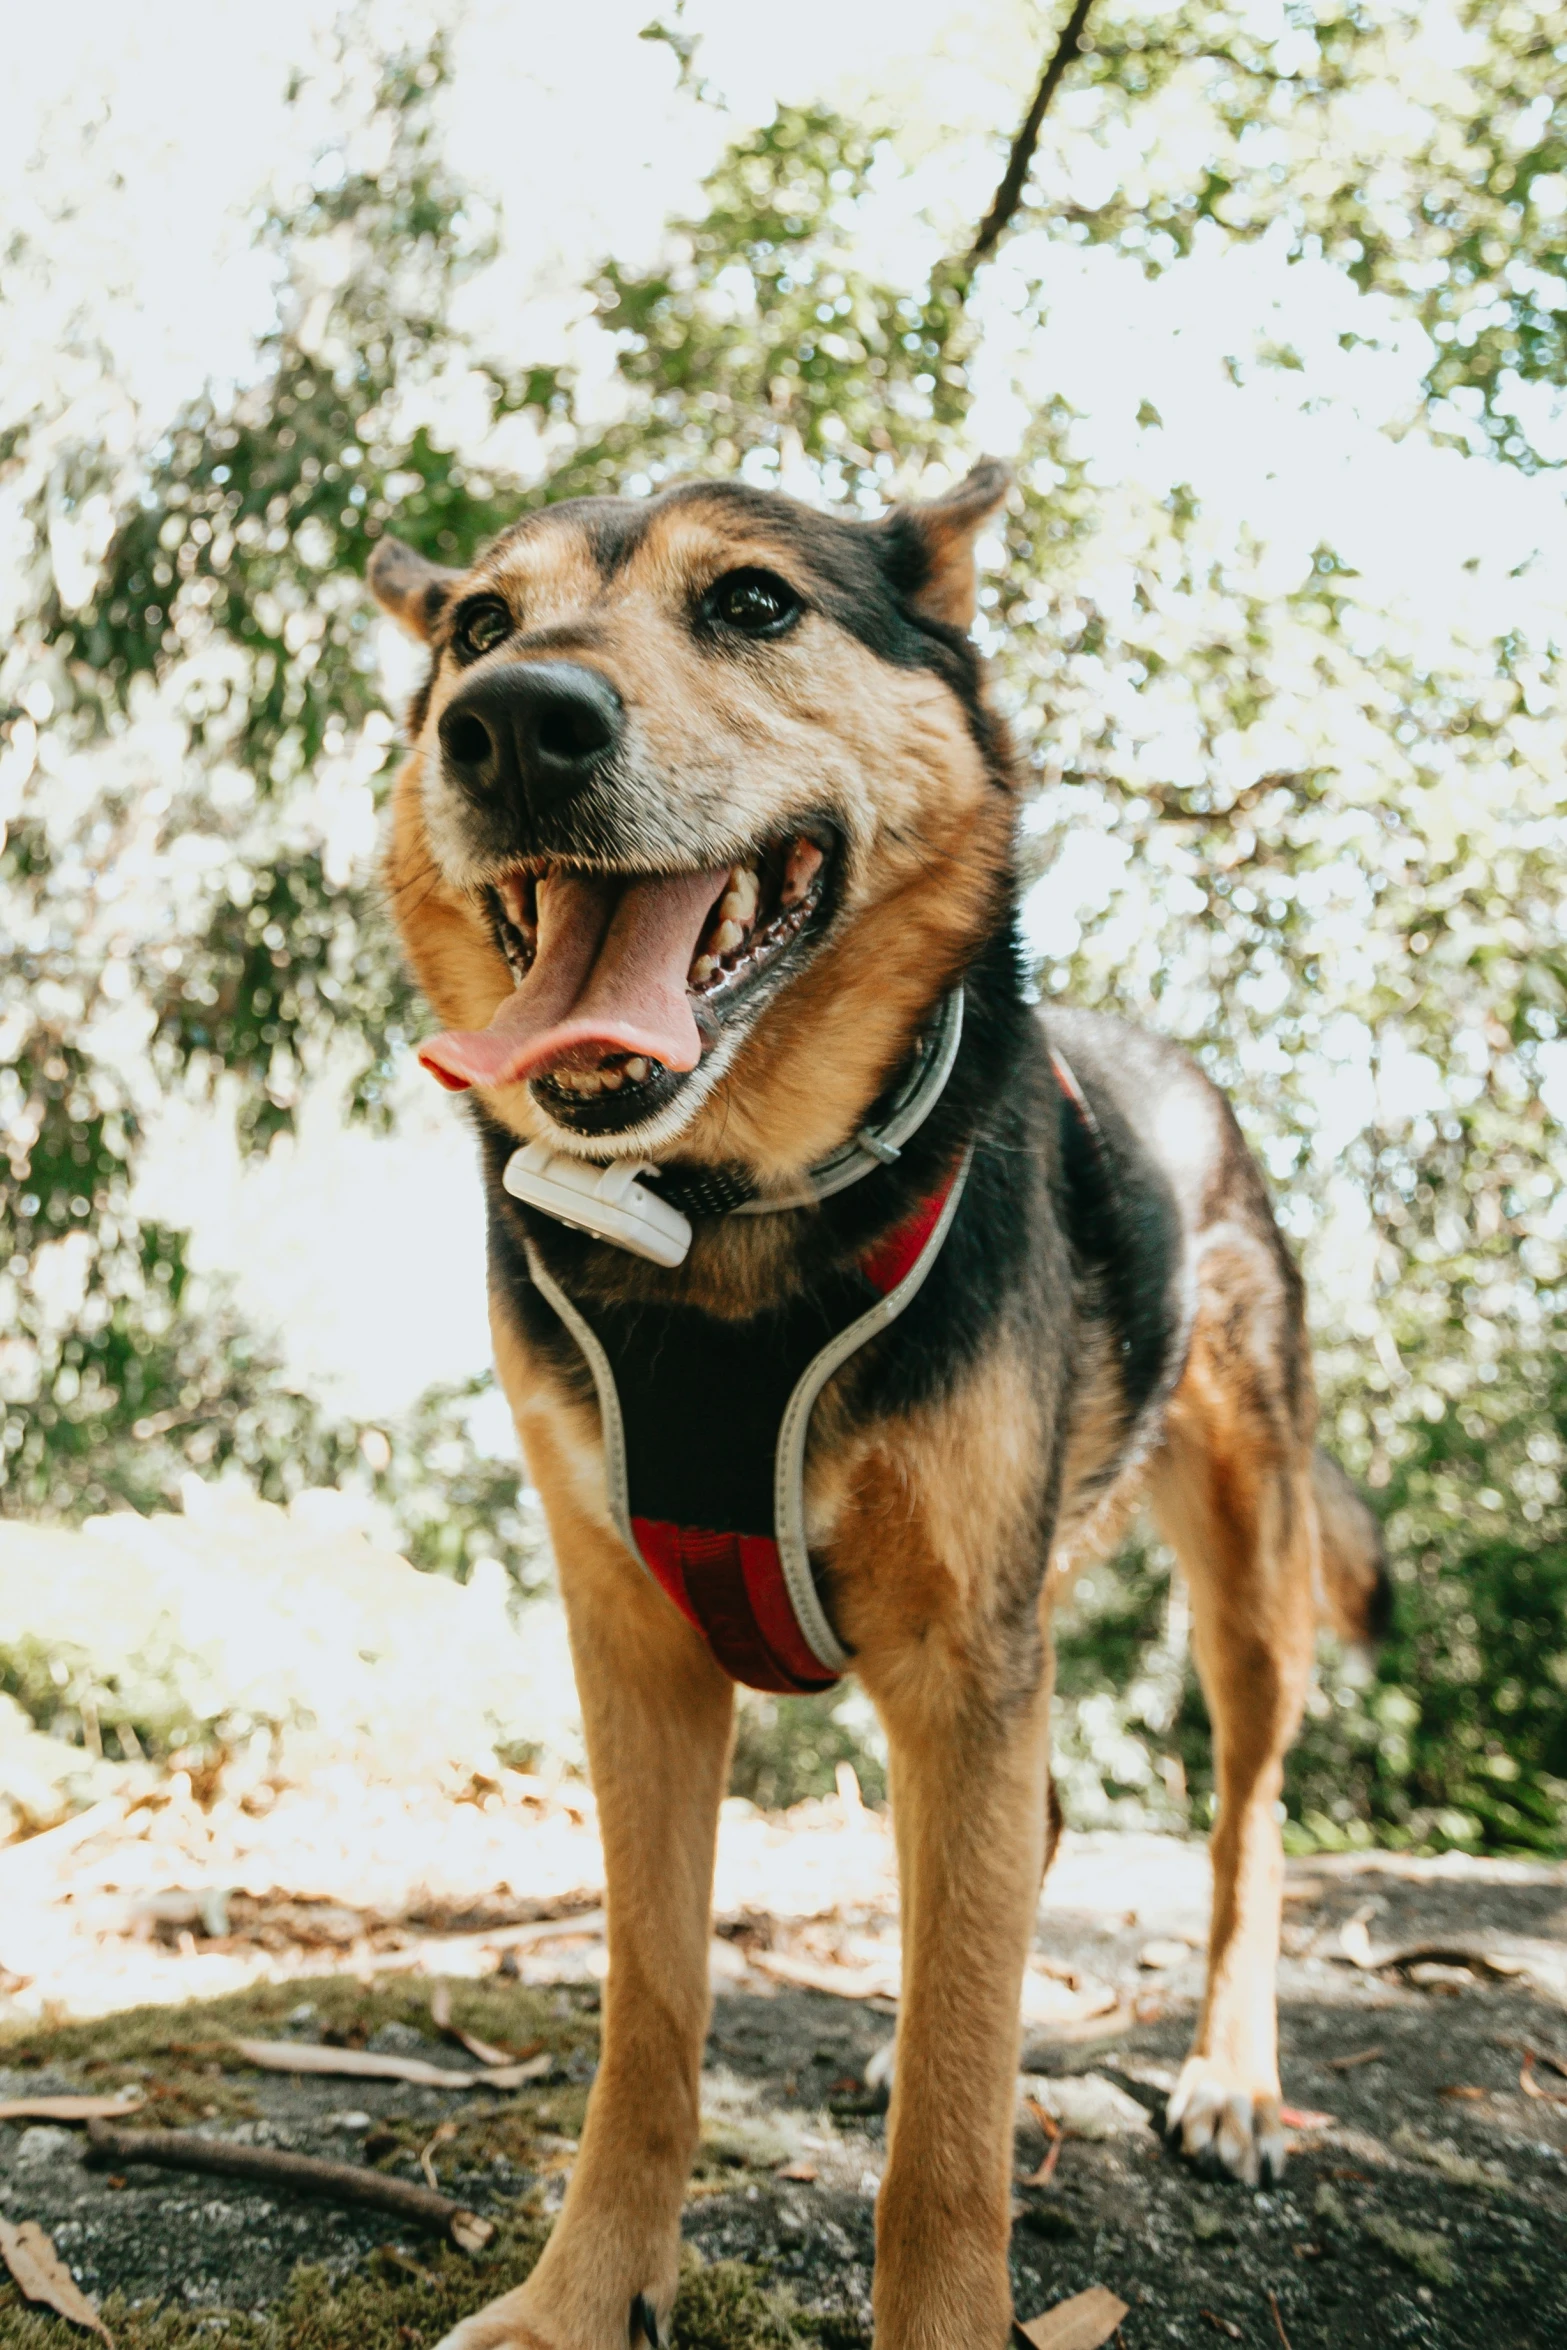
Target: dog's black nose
[[531, 731]]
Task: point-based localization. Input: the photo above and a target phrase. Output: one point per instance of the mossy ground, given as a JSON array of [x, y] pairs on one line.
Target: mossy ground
[[1434, 2216], [396, 2296]]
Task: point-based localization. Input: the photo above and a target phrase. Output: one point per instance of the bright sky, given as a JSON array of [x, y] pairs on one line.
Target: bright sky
[[163, 126]]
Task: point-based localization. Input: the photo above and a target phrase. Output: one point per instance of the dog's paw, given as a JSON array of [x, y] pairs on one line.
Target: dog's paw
[[1228, 2130], [504, 2326]]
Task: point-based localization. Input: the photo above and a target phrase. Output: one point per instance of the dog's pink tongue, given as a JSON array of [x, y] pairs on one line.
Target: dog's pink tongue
[[609, 976]]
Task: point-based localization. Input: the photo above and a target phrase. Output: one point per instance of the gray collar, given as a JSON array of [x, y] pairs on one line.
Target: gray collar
[[730, 1191], [652, 1217]]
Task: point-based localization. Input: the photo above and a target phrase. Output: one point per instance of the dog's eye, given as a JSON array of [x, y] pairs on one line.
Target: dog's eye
[[481, 627], [757, 603]]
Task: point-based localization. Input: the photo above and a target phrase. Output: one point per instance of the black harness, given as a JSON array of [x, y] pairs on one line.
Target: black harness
[[720, 1524]]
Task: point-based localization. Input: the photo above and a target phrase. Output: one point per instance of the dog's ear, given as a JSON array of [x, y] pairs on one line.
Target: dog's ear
[[935, 544], [415, 592]]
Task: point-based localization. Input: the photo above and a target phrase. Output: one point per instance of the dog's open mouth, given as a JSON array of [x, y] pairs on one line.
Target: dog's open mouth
[[624, 980]]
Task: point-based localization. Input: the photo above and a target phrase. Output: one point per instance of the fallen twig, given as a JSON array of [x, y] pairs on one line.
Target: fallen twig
[[331, 2182], [1344, 2064], [1273, 2303]]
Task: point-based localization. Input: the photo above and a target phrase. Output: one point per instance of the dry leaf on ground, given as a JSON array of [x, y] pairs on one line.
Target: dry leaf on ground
[[1053, 2131], [1165, 1950], [361, 2064], [1531, 2087], [68, 2109], [1301, 2117], [1079, 2324], [812, 1974], [42, 2276], [516, 2076], [1085, 2105], [804, 2173], [1354, 1944], [485, 2051], [498, 2059], [1222, 2325], [445, 2133]]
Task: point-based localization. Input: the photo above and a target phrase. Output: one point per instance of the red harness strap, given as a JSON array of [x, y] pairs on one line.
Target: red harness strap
[[731, 1587]]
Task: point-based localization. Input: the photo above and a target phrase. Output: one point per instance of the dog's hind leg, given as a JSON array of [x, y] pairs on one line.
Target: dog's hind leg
[[1232, 1491], [658, 1714]]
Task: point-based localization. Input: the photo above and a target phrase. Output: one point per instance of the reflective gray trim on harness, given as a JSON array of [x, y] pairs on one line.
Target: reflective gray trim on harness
[[789, 1529], [789, 1486]]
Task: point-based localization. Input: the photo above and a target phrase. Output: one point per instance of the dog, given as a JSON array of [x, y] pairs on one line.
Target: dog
[[845, 1300]]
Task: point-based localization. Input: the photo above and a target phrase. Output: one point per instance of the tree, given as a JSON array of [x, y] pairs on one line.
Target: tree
[[1315, 838]]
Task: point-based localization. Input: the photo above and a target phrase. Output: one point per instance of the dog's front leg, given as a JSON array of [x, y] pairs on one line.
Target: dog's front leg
[[969, 1785], [658, 1714]]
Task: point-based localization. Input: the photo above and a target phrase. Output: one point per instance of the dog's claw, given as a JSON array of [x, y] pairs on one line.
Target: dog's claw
[[1226, 2130], [644, 2322]]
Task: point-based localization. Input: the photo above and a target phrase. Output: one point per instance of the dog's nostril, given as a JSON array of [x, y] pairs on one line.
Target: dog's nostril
[[573, 730], [467, 739]]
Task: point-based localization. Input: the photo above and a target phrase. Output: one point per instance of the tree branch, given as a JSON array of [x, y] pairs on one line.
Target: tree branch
[[1009, 194]]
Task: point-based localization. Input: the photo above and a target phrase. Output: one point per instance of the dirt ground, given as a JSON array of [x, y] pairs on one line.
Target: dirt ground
[[1430, 2208]]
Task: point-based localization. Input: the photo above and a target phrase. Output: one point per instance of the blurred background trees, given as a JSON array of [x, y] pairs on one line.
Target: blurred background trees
[[1309, 826]]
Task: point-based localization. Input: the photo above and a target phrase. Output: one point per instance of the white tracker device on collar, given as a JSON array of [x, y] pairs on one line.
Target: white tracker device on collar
[[612, 1204]]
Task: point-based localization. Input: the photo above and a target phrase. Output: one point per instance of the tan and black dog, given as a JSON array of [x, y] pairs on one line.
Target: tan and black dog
[[705, 854]]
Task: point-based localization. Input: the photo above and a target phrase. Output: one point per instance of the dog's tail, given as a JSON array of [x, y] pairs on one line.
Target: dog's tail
[[1356, 1596]]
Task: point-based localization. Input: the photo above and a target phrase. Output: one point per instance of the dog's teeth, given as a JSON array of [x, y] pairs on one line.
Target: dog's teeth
[[739, 901], [636, 1068], [611, 1080], [805, 860], [727, 937], [702, 970], [511, 897]]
